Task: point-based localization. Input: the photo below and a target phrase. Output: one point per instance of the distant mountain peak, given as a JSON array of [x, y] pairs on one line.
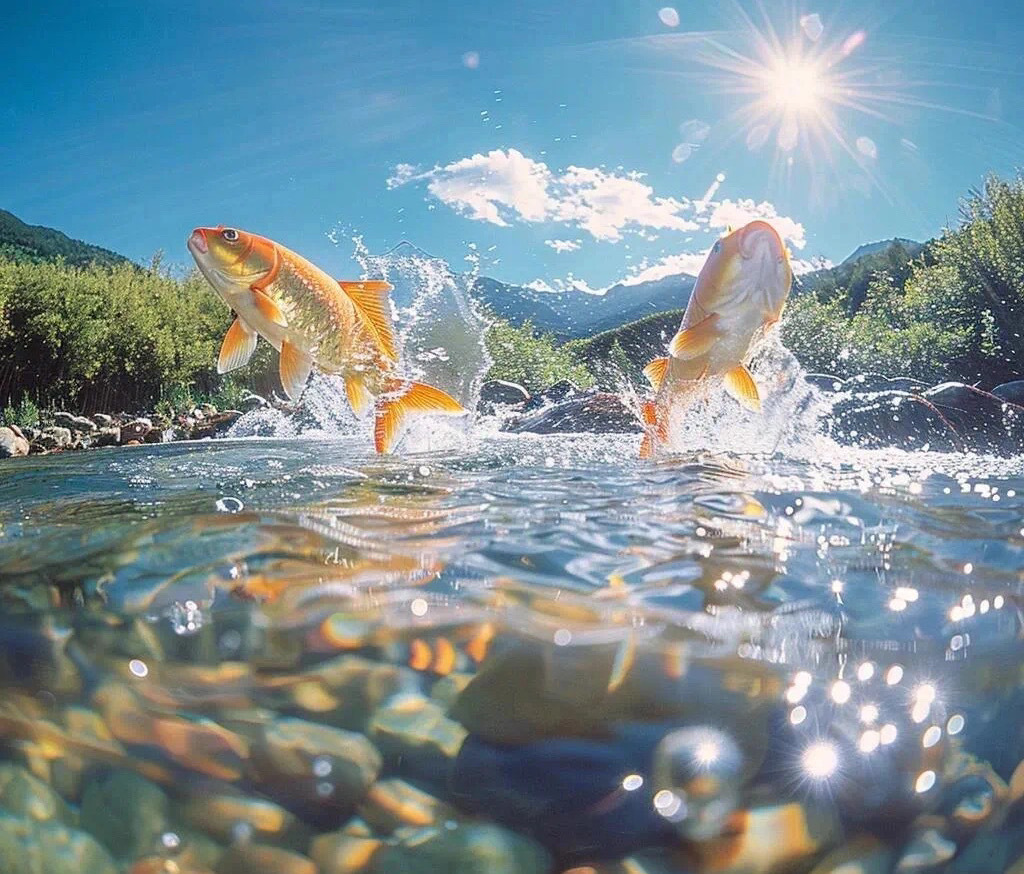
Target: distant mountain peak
[[881, 246], [22, 241]]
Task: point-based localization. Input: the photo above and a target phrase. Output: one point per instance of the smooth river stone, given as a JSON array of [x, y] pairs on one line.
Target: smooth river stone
[[316, 763], [23, 794], [225, 817], [359, 686], [340, 853], [414, 732], [391, 804], [926, 851], [125, 812], [467, 848], [861, 855], [30, 847], [253, 858]]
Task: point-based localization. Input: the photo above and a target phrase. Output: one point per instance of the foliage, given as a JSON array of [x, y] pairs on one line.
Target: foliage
[[105, 338], [24, 415], [623, 352], [22, 242], [533, 360]]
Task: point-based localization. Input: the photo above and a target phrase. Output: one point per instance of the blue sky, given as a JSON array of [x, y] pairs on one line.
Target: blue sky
[[575, 142]]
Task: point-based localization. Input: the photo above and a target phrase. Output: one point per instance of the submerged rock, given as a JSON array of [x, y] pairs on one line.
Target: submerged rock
[[414, 733], [125, 812], [342, 853], [461, 848], [31, 847], [252, 858], [499, 393], [227, 817], [391, 804], [23, 794], [600, 413]]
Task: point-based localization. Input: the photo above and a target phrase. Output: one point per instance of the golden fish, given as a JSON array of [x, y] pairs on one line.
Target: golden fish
[[342, 327], [741, 290]]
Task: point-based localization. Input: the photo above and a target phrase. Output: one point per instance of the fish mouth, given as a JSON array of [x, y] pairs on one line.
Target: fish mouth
[[761, 239], [197, 242]]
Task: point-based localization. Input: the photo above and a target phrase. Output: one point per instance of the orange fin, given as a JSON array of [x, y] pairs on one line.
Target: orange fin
[[268, 309], [358, 394], [444, 657], [294, 368], [655, 372], [695, 340], [655, 431], [411, 399], [420, 655], [478, 646], [740, 384], [237, 348], [371, 300]]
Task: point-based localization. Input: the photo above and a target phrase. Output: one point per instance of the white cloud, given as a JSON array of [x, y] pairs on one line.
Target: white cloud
[[505, 185], [671, 265], [809, 265], [736, 213], [563, 245]]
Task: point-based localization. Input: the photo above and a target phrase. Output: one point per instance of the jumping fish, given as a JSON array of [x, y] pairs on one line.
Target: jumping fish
[[740, 291], [342, 327]]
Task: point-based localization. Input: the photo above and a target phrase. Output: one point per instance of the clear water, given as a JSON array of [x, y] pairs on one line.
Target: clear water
[[844, 632]]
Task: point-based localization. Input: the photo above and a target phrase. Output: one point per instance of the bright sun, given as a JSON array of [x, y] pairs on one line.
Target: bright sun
[[796, 85]]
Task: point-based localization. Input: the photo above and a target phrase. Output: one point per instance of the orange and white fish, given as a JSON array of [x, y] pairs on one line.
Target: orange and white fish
[[740, 291], [342, 327]]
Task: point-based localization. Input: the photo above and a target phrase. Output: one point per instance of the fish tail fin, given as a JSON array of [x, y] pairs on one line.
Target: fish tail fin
[[405, 399], [655, 429]]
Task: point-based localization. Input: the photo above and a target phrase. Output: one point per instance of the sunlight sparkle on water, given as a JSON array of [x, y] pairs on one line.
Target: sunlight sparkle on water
[[820, 760]]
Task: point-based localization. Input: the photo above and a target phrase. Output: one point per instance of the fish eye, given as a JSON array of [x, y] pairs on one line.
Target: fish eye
[[230, 234]]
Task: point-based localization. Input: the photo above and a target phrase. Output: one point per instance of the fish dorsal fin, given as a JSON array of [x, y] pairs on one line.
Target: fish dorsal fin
[[237, 348], [294, 369], [359, 396], [740, 385], [655, 372], [371, 300], [695, 340], [268, 308]]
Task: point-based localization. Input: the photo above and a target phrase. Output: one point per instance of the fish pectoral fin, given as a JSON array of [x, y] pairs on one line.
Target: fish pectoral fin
[[695, 340], [294, 368], [404, 400], [741, 386], [268, 308], [655, 372], [358, 394], [237, 348], [371, 301]]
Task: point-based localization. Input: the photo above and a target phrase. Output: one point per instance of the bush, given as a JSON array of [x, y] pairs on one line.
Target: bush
[[533, 360]]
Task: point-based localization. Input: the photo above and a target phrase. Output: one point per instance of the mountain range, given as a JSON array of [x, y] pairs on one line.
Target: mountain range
[[23, 242]]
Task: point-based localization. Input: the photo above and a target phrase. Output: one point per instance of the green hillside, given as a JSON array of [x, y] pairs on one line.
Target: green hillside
[[22, 242]]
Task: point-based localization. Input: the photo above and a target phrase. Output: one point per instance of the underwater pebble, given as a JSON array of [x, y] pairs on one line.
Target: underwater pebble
[[23, 794], [464, 849], [30, 847], [926, 851], [393, 803], [218, 815], [861, 855], [253, 858], [125, 812], [359, 687], [341, 853], [416, 731]]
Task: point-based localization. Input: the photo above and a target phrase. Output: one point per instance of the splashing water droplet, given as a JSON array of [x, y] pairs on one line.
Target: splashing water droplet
[[229, 505], [669, 17]]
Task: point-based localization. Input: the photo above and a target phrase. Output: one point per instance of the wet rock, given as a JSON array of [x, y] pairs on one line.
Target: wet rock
[[359, 686], [601, 413], [985, 422], [51, 439], [25, 795], [164, 865], [499, 393], [252, 858], [1011, 392], [772, 838], [893, 418], [861, 855], [81, 424], [136, 429], [391, 804], [214, 425], [125, 812], [252, 402], [107, 437], [229, 817], [559, 391], [154, 435], [414, 731], [447, 689], [102, 420], [824, 382], [342, 853], [31, 847], [926, 851], [464, 848], [11, 445], [308, 762], [876, 382]]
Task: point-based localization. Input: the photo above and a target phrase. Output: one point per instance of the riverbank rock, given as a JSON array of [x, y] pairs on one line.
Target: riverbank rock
[[600, 413], [136, 430], [102, 420], [893, 418], [107, 436], [12, 444], [53, 438], [985, 422], [1011, 392], [212, 425], [31, 847], [499, 393], [253, 858], [79, 424]]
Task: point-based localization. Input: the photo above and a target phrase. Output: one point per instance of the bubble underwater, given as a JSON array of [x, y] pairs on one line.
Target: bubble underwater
[[768, 649]]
